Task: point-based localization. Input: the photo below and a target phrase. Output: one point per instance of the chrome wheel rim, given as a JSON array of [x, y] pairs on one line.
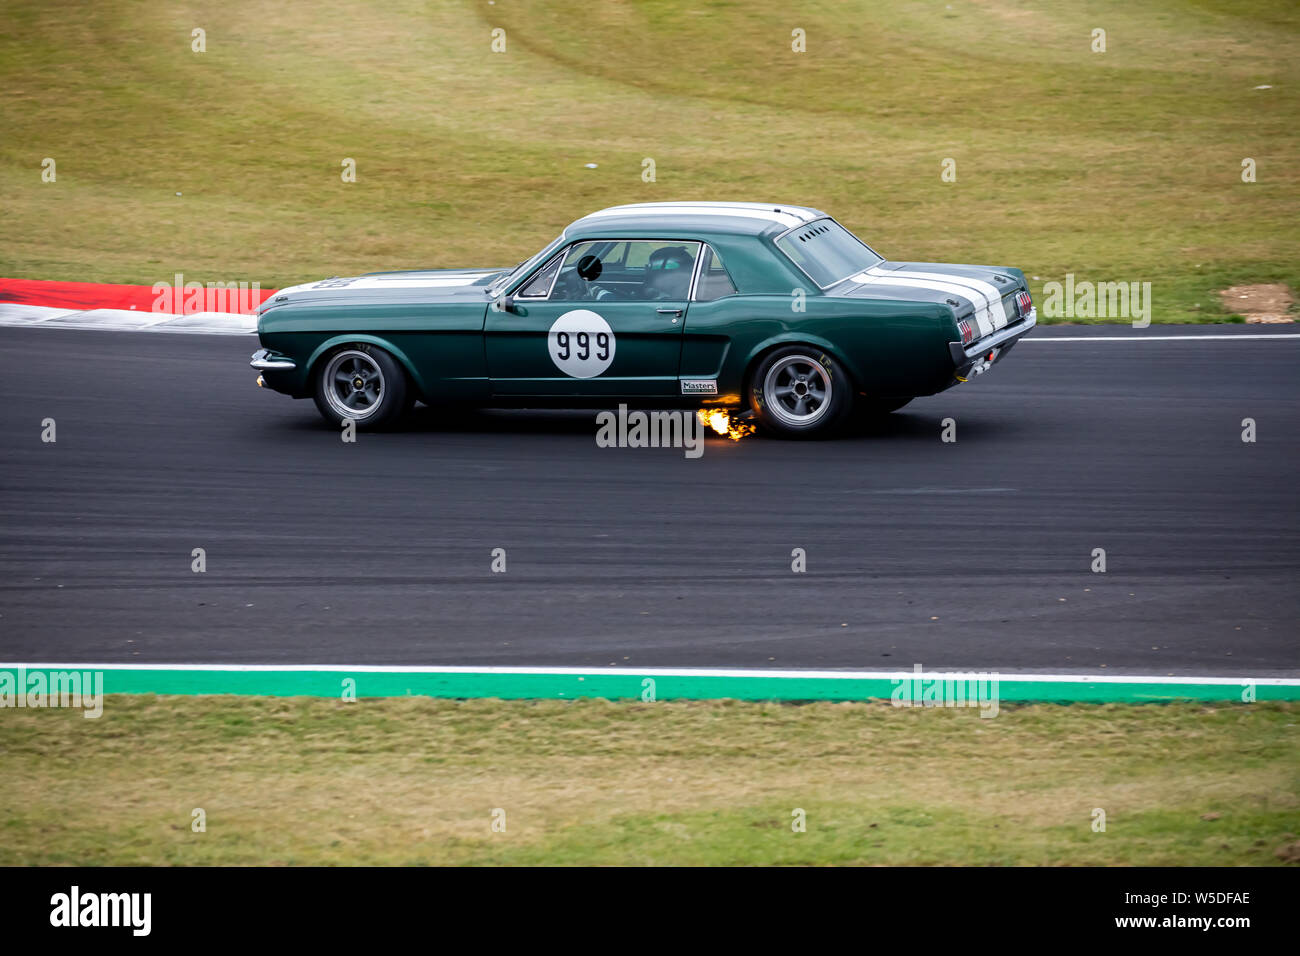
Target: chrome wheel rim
[[797, 390], [354, 384]]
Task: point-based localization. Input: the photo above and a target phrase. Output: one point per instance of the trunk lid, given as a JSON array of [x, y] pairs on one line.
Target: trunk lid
[[987, 295]]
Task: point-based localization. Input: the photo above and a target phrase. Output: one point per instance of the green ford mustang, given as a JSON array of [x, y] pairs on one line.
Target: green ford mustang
[[773, 309]]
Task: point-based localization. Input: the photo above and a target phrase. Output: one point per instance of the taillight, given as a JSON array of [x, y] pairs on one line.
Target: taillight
[[1024, 304], [967, 331]]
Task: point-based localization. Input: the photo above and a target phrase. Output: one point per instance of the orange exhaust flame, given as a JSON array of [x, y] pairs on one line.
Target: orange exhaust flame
[[720, 420]]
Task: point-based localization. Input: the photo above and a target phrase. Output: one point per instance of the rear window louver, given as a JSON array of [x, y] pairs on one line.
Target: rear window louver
[[814, 231]]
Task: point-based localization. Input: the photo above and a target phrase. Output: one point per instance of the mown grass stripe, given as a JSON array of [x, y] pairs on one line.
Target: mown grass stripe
[[625, 685]]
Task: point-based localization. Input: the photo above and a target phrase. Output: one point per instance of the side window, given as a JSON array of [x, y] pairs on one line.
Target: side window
[[668, 270], [633, 270], [540, 285], [714, 282], [638, 256]]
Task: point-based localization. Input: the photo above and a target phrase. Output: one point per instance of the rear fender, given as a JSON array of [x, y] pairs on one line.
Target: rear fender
[[799, 337]]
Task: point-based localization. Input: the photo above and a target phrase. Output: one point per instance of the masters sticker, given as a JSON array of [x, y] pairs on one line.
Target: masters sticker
[[581, 344], [699, 386]]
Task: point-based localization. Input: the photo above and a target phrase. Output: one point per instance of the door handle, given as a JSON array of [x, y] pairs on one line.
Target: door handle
[[676, 312]]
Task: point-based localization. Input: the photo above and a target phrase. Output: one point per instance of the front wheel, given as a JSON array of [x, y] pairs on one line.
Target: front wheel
[[800, 392], [362, 383]]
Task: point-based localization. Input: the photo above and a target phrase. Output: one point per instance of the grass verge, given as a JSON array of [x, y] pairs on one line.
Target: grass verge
[[1115, 166], [416, 781]]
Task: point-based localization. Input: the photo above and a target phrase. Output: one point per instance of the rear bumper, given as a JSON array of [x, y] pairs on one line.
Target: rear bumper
[[978, 357]]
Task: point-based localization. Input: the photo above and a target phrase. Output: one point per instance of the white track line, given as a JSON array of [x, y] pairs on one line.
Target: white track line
[[13, 314], [221, 323], [671, 672]]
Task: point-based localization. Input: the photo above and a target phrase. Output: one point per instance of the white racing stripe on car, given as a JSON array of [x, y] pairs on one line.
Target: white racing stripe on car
[[378, 282], [390, 282], [989, 292], [741, 210], [982, 317], [465, 274], [990, 318]]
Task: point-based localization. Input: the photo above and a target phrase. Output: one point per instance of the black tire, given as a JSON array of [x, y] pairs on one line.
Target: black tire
[[378, 390], [877, 407], [799, 391]]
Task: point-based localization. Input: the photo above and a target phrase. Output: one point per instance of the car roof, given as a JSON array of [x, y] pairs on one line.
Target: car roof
[[729, 218]]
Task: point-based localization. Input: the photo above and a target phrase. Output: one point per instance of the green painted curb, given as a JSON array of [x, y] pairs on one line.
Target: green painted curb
[[517, 685]]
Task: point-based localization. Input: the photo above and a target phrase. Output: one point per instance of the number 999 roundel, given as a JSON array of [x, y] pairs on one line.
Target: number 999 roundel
[[581, 344], [773, 309]]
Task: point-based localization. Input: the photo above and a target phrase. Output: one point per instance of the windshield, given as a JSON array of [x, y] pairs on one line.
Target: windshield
[[520, 270], [827, 252]]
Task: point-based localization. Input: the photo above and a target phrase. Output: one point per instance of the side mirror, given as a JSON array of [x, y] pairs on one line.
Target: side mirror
[[507, 303]]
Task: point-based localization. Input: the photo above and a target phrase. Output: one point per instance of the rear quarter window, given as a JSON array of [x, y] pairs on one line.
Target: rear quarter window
[[827, 252], [714, 281]]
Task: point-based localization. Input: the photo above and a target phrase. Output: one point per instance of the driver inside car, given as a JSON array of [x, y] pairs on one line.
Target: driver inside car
[[668, 274], [579, 281], [667, 277]]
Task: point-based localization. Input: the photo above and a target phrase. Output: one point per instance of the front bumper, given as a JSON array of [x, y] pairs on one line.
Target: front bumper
[[279, 373], [264, 360], [978, 357]]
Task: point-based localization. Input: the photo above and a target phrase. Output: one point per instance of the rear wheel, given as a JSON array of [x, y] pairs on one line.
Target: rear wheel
[[362, 383], [800, 392]]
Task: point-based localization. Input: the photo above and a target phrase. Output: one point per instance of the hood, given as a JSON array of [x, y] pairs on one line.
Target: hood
[[423, 285]]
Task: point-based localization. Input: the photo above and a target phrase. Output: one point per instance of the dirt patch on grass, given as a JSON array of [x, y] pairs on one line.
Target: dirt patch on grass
[[1268, 303]]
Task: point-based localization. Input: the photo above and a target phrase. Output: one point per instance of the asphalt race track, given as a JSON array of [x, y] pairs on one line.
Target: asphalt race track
[[973, 554]]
